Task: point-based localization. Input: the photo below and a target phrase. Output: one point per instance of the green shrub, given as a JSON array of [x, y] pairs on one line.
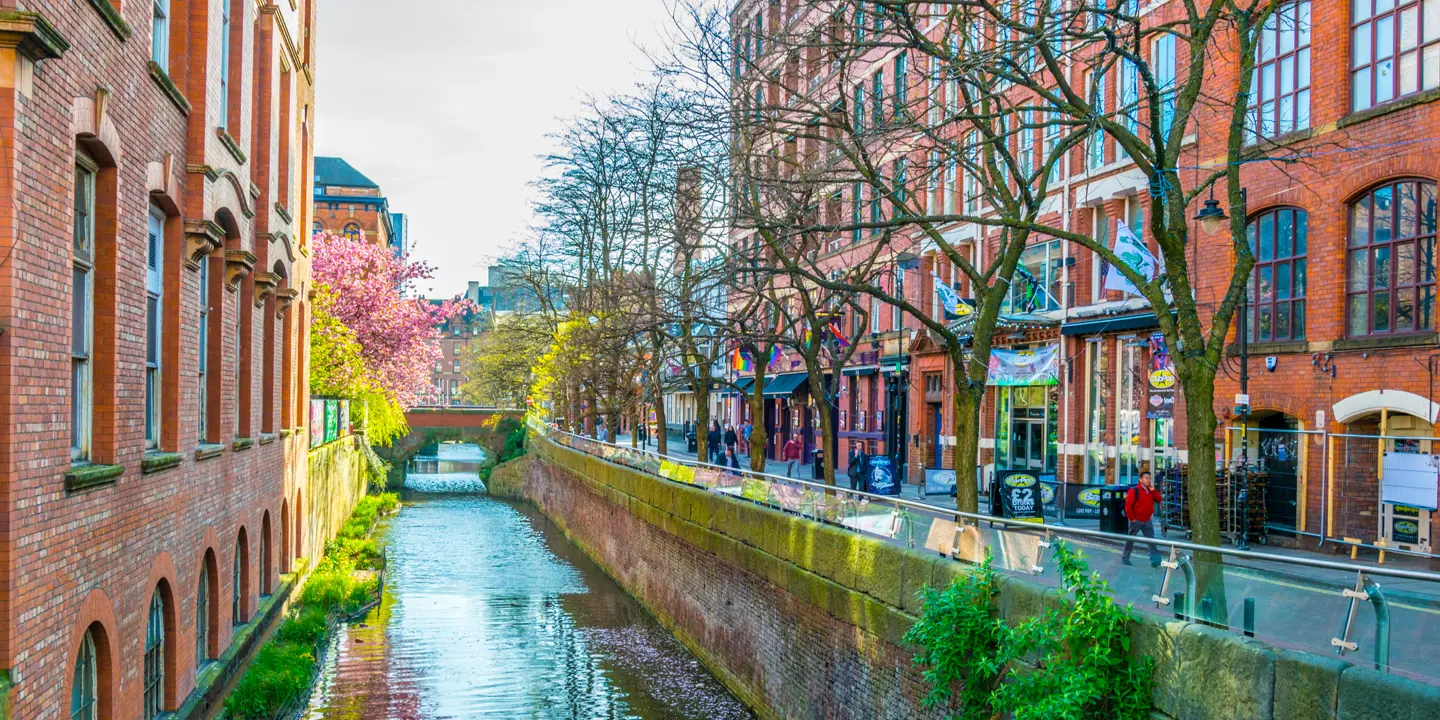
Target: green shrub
[[1072, 664], [280, 673], [305, 626]]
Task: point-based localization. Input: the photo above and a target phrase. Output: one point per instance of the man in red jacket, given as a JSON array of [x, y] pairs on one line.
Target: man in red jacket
[[792, 452], [1139, 508]]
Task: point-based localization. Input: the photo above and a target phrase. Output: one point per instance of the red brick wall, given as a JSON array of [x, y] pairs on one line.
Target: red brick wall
[[70, 558]]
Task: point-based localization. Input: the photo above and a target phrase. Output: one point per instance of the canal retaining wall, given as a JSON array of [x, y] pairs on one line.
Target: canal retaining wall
[[803, 620]]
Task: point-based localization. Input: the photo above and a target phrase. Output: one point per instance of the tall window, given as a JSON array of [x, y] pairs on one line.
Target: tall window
[[1163, 62], [84, 691], [236, 595], [82, 308], [932, 98], [239, 351], [1395, 50], [932, 180], [1391, 266], [875, 217], [1280, 90], [973, 168], [1098, 265], [155, 658], [855, 202], [1277, 287], [352, 231], [949, 190], [902, 81], [224, 63], [1037, 280], [895, 315], [899, 183], [1096, 145], [154, 289], [1051, 140], [202, 617], [160, 34], [874, 316], [1026, 143], [203, 327], [877, 98]]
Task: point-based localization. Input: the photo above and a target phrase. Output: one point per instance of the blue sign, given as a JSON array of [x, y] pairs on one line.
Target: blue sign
[[880, 476]]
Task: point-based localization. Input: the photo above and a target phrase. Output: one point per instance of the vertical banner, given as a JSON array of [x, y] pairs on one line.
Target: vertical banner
[[332, 420], [1161, 379], [317, 423], [344, 417]]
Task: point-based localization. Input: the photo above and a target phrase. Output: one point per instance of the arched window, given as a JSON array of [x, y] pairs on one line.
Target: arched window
[[85, 692], [1390, 268], [155, 658], [237, 614], [154, 292], [1278, 239], [202, 617], [265, 554], [317, 228], [352, 231]]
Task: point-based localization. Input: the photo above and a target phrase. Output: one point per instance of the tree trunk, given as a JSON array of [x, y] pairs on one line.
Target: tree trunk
[[662, 431], [1198, 384], [967, 443], [758, 437], [702, 425]]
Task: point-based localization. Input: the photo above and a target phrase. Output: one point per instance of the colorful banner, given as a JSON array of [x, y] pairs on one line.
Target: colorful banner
[[317, 423], [1161, 380], [1131, 250], [1039, 366]]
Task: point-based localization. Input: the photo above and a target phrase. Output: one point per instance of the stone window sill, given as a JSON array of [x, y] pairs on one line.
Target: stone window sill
[[84, 477], [208, 450], [113, 19], [168, 87], [267, 438], [157, 461], [1271, 348], [286, 432], [230, 144], [1389, 107], [242, 444], [1384, 342]]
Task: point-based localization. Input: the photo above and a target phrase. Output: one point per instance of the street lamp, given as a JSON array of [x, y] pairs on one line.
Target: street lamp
[[1211, 216]]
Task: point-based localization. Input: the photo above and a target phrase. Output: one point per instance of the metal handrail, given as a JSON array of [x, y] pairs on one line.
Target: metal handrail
[[1034, 525]]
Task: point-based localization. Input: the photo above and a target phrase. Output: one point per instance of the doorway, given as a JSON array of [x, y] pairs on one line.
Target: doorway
[[936, 432], [1278, 452]]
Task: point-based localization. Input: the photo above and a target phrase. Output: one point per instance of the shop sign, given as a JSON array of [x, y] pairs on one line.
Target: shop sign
[[1020, 494], [1025, 367], [1162, 380]]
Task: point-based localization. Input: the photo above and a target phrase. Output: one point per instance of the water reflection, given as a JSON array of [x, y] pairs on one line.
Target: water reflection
[[489, 612]]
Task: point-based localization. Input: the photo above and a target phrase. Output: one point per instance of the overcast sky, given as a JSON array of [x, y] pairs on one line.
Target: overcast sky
[[446, 105]]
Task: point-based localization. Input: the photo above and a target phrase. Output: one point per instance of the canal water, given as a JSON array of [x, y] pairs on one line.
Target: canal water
[[489, 612]]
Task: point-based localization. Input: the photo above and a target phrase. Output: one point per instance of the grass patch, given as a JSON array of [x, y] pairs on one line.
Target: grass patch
[[282, 671]]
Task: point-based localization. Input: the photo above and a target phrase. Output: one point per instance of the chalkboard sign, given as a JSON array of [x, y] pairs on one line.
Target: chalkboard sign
[[1019, 494], [880, 476]]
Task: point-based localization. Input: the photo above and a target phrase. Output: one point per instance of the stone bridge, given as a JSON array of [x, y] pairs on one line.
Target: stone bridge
[[430, 426]]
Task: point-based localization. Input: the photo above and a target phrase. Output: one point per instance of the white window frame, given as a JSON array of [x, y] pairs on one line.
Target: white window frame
[[224, 104], [874, 316], [160, 34], [82, 329], [202, 327], [1162, 59], [154, 324]]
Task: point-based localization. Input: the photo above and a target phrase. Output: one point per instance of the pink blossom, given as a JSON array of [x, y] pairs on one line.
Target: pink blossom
[[366, 286]]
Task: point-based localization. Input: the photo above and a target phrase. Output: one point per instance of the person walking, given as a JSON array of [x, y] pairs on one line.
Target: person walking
[[732, 461], [1139, 509], [792, 452], [730, 437], [712, 440]]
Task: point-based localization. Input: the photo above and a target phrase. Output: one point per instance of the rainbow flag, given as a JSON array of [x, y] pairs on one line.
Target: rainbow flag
[[839, 336], [775, 355], [742, 361]]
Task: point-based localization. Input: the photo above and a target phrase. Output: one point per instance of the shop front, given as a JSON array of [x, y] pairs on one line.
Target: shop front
[[1026, 402]]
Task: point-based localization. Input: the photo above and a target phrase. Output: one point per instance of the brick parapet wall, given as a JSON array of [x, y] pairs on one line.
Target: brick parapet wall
[[801, 619]]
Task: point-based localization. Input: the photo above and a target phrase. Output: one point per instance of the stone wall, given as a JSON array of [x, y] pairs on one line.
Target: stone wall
[[337, 481], [803, 620]]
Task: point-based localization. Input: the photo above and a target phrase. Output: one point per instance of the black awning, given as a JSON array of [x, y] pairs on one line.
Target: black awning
[[868, 370], [1093, 326], [784, 384]]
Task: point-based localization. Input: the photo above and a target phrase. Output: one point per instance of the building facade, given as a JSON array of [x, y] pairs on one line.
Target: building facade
[[1340, 327], [350, 204], [153, 353], [454, 339]]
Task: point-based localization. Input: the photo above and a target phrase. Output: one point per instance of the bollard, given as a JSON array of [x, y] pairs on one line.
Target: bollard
[[1249, 617], [1179, 606]]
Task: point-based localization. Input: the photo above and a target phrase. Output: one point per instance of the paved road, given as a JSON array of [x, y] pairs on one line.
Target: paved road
[[1294, 606]]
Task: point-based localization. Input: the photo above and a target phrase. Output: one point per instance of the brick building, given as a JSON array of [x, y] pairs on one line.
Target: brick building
[[454, 339], [1342, 331], [350, 204], [152, 357]]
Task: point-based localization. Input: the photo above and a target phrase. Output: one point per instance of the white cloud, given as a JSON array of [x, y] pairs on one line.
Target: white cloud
[[446, 104]]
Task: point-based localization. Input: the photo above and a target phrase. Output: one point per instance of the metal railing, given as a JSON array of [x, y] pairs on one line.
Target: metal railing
[[1300, 586]]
